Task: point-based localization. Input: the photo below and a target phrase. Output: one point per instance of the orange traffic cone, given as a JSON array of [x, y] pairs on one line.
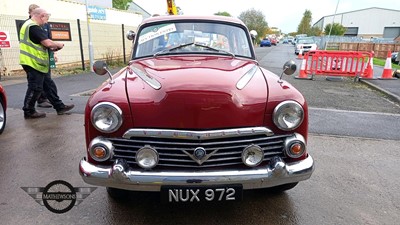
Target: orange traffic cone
[[300, 55], [387, 71], [368, 72], [302, 73]]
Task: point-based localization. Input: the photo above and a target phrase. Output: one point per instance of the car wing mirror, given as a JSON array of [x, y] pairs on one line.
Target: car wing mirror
[[130, 35], [288, 68], [100, 68]]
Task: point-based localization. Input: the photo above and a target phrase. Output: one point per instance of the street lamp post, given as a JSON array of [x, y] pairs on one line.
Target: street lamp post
[[90, 37], [333, 21]]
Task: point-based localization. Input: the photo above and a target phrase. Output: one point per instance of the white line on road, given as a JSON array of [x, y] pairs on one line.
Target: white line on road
[[359, 112]]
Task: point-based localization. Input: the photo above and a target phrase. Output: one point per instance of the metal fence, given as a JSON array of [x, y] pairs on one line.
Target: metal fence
[[380, 46], [108, 41]]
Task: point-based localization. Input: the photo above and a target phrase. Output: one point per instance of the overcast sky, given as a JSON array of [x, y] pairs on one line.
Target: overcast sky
[[284, 14]]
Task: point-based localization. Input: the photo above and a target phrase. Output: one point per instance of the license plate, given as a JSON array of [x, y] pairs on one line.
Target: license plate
[[171, 194]]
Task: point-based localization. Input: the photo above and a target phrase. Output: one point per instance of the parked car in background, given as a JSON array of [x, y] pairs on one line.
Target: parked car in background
[[305, 44], [265, 42], [394, 57], [291, 39], [274, 41], [194, 117], [3, 109]]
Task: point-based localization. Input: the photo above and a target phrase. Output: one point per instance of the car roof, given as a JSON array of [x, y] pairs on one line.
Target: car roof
[[191, 17]]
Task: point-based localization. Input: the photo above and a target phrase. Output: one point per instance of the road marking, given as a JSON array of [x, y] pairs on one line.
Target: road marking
[[350, 111]]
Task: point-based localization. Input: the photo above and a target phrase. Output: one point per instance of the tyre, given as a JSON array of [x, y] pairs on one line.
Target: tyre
[[118, 194], [2, 115], [282, 188]]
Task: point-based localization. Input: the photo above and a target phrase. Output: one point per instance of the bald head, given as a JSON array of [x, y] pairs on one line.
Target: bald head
[[40, 16]]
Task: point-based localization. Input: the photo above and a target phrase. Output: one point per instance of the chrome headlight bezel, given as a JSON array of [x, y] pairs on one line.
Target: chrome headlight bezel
[[147, 157], [288, 108], [251, 153], [103, 112]]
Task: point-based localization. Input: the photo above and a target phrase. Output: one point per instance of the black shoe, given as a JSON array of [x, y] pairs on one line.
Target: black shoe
[[34, 115], [64, 109], [44, 104]]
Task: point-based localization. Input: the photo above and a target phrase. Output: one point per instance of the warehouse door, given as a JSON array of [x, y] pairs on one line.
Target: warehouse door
[[391, 32], [351, 31]]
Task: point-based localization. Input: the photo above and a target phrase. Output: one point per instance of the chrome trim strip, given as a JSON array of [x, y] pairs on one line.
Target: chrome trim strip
[[245, 79], [120, 176], [146, 78], [197, 135]]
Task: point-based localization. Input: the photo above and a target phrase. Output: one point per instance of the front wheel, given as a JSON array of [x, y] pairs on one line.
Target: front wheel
[[2, 115], [282, 188], [117, 194]]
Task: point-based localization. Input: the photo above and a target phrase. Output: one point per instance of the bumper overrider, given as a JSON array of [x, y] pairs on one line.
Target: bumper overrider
[[121, 176]]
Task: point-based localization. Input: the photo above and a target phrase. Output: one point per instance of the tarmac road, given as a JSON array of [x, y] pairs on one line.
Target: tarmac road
[[344, 107], [355, 181]]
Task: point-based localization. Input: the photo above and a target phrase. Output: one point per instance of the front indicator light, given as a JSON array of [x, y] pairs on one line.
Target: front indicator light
[[295, 146], [99, 152], [147, 157], [100, 149], [252, 155]]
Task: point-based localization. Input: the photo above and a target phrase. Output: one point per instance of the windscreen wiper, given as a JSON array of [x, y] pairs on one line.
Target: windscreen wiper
[[215, 49], [172, 49], [195, 44]]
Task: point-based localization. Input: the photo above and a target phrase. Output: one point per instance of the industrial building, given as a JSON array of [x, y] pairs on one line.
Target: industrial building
[[366, 23]]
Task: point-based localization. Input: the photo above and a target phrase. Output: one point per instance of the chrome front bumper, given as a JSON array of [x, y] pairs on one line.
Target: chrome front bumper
[[120, 176]]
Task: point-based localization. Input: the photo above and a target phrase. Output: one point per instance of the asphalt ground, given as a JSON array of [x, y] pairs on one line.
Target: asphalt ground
[[340, 94], [355, 181]]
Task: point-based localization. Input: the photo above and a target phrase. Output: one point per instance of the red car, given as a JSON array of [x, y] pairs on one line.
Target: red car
[[194, 117], [274, 41], [3, 109]]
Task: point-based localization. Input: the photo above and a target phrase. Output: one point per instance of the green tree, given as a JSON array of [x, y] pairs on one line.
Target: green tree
[[121, 4], [337, 29], [305, 23], [315, 31], [222, 14], [255, 20]]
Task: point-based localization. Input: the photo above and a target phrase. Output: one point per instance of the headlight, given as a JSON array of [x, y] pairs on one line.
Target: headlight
[[147, 157], [288, 115], [252, 155], [106, 117]]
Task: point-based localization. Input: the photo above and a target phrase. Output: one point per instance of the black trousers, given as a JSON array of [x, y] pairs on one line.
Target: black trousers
[[38, 82]]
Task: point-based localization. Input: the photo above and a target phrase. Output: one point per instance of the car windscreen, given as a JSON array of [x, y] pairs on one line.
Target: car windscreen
[[192, 37], [306, 41]]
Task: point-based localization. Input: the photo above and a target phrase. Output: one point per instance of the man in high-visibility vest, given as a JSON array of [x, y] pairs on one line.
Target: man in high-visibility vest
[[34, 58]]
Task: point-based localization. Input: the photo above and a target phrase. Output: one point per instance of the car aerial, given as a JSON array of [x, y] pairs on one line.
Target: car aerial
[[3, 109], [265, 42], [305, 44], [394, 57], [194, 117]]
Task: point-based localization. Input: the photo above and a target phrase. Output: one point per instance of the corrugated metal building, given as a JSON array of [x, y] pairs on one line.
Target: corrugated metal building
[[370, 22]]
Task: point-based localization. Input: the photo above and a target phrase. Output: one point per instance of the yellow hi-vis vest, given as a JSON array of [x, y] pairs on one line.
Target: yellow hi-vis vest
[[31, 54]]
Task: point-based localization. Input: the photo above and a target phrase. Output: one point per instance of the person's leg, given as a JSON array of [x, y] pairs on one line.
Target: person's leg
[[43, 102], [51, 92], [35, 87]]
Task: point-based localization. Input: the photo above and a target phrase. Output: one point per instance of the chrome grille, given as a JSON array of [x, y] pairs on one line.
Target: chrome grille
[[172, 150]]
